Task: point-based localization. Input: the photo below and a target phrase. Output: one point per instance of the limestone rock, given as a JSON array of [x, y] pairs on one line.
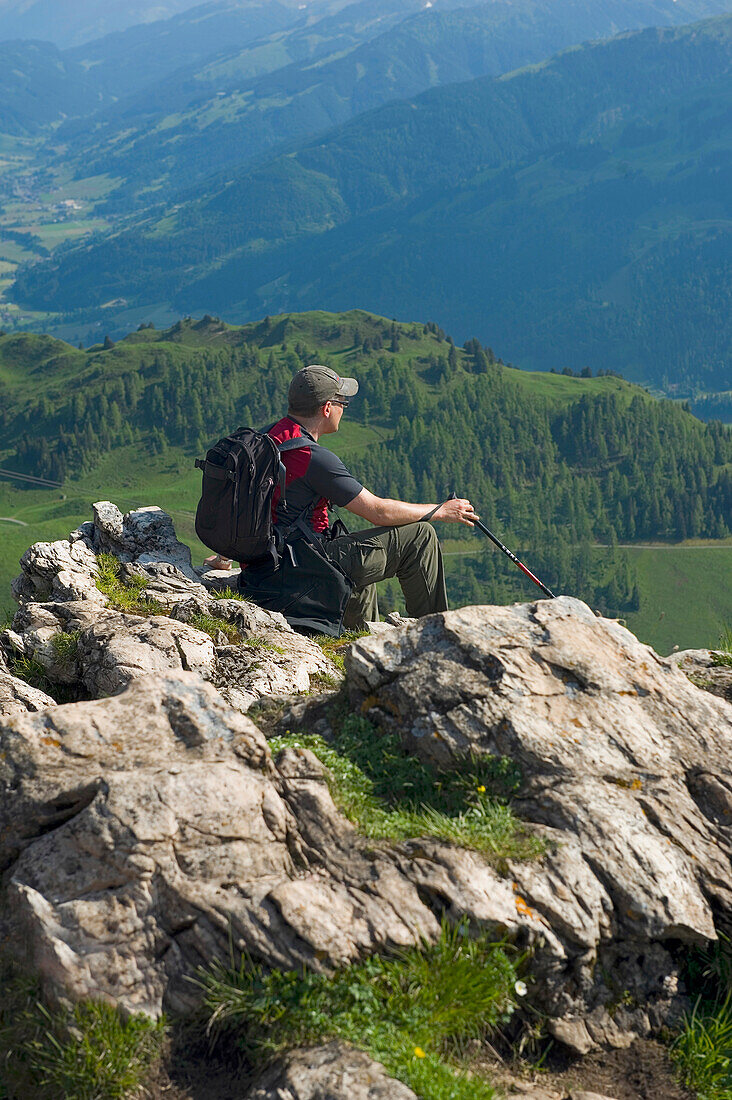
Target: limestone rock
[[218, 580], [67, 569], [271, 660], [706, 668], [143, 834], [626, 767], [166, 583], [105, 649], [119, 648], [62, 570], [332, 1072], [17, 697], [582, 1094], [146, 535]]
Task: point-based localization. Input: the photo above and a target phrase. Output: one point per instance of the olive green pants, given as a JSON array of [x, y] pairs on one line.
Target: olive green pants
[[410, 553]]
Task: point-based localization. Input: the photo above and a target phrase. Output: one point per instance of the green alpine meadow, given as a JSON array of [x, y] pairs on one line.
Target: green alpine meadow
[[586, 478]]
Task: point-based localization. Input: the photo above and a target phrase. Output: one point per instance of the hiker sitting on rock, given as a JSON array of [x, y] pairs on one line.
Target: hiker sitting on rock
[[400, 544]]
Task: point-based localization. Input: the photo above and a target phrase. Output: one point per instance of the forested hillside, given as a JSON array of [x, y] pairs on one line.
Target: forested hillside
[[553, 462], [39, 86], [577, 212]]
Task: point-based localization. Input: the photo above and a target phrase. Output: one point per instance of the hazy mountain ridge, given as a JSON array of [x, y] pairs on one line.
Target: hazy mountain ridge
[[70, 22], [195, 123], [449, 198]]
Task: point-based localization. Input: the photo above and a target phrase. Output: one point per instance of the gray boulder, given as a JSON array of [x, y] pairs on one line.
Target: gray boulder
[[63, 570], [626, 768], [68, 569], [707, 668], [99, 650], [145, 535], [331, 1072], [145, 834]]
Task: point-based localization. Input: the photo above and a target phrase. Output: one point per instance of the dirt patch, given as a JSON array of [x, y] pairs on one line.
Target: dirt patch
[[642, 1072], [191, 1071]]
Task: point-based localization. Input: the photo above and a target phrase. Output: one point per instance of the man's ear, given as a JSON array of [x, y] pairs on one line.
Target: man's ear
[[327, 409]]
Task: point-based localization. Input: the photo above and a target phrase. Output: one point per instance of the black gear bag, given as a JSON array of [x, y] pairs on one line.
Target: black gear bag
[[240, 473], [289, 570]]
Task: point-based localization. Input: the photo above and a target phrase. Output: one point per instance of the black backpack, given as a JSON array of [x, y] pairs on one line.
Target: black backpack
[[240, 473]]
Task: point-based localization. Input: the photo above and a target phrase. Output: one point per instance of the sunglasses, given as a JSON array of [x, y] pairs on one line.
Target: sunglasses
[[343, 404]]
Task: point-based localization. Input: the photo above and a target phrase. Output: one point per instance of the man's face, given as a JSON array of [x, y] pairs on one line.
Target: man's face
[[333, 411]]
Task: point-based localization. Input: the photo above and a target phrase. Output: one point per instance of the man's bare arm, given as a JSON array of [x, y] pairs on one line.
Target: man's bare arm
[[393, 513]]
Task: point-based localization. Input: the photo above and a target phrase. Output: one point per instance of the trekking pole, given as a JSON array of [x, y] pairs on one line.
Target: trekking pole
[[482, 527]]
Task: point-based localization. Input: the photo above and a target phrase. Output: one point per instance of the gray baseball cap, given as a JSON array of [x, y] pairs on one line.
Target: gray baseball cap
[[316, 384]]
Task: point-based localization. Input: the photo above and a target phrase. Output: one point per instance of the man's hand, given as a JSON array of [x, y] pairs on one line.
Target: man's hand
[[456, 511]]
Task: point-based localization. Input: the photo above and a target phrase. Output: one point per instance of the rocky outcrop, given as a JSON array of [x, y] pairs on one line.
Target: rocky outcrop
[[708, 669], [64, 570], [99, 650], [145, 536], [626, 768], [142, 836], [66, 626], [329, 1072], [146, 828]]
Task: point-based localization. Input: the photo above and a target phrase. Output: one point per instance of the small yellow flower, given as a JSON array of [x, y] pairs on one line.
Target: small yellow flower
[[481, 790], [419, 1053]]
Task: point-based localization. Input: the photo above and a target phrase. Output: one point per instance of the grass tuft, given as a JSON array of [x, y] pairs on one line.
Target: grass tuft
[[66, 645], [87, 1052], [229, 594], [34, 674], [702, 1051], [412, 1012], [213, 626], [390, 795], [262, 643], [123, 596], [724, 655], [331, 646]]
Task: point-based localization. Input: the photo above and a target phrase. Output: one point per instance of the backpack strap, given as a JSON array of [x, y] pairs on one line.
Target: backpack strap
[[295, 444]]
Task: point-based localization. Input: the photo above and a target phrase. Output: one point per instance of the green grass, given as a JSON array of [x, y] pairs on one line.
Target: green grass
[[332, 646], [723, 656], [214, 626], [413, 1012], [702, 1051], [88, 1052], [229, 594], [390, 795], [686, 595], [122, 595], [65, 645]]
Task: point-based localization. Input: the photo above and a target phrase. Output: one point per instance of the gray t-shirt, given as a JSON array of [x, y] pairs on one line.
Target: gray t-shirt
[[315, 477]]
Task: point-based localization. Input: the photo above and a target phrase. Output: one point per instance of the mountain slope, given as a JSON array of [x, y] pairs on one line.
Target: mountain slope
[[580, 209], [39, 86], [124, 63], [215, 118], [70, 22]]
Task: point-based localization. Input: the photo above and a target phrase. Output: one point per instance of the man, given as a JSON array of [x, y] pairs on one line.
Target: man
[[400, 544]]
